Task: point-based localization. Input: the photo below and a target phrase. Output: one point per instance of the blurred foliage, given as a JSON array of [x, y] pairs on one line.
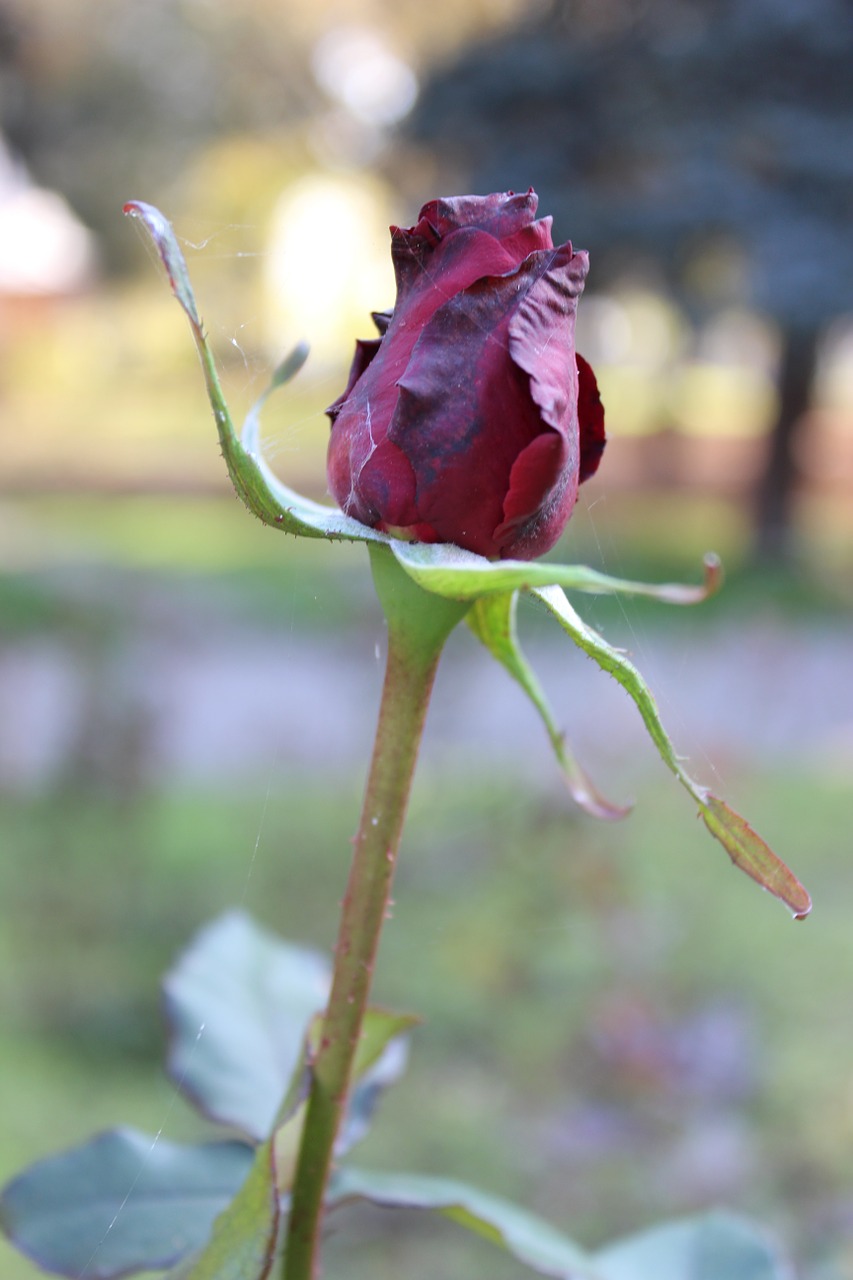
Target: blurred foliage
[[594, 1003], [108, 103], [601, 1001]]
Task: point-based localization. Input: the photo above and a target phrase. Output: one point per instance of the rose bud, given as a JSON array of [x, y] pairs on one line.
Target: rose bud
[[471, 419]]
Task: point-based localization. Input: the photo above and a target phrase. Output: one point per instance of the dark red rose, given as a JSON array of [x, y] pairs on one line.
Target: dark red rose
[[471, 419]]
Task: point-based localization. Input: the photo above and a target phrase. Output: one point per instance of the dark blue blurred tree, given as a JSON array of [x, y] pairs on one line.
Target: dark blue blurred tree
[[695, 133]]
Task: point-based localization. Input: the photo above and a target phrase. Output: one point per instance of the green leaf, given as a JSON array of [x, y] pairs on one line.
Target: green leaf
[[121, 1203], [716, 1247], [527, 1237], [380, 1028], [183, 1270], [745, 847], [286, 1135], [246, 1234], [238, 1002], [380, 1060], [449, 571], [493, 620]]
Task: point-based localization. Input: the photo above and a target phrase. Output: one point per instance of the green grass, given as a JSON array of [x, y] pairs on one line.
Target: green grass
[[62, 554], [532, 940], [71, 565], [559, 964]]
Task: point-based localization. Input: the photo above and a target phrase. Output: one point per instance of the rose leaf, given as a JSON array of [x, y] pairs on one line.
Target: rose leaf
[[246, 1235], [380, 1060], [120, 1203], [704, 1248], [238, 1002], [526, 1237]]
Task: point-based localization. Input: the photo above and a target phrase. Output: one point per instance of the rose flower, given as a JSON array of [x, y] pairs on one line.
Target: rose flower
[[471, 419]]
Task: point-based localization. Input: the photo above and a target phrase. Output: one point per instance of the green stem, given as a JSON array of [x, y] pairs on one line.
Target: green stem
[[418, 625]]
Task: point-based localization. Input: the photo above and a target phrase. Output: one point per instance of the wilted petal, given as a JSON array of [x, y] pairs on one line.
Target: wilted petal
[[542, 332]]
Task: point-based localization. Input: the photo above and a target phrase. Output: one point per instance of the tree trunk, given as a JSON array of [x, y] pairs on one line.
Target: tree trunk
[[776, 492]]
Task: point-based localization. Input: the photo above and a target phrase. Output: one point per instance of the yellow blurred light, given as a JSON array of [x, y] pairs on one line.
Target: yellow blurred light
[[329, 263]]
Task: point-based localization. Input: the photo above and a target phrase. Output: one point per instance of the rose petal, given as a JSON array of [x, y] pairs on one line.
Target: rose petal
[[460, 381], [529, 240], [542, 331], [361, 416], [387, 484], [534, 473], [428, 275], [365, 350], [590, 420], [462, 424], [501, 214], [382, 319]]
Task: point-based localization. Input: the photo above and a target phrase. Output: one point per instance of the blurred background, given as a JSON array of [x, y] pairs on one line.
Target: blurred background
[[618, 1029]]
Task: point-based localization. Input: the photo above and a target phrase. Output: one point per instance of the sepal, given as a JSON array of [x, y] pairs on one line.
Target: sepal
[[492, 619], [262, 492], [744, 846]]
